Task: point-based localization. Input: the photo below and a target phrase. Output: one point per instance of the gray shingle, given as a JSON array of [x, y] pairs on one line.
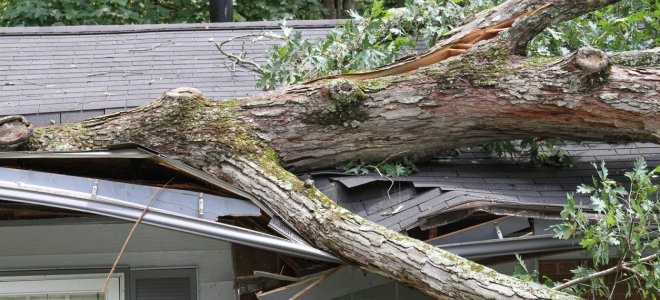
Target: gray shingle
[[68, 117], [44, 119], [387, 202], [494, 182], [131, 56]]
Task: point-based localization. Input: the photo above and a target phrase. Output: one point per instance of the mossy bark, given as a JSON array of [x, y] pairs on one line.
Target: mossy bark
[[217, 138]]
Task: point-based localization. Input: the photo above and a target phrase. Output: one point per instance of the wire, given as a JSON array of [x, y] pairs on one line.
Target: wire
[[130, 234]]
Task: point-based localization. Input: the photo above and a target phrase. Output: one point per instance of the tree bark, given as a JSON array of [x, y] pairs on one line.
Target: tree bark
[[488, 93], [338, 8]]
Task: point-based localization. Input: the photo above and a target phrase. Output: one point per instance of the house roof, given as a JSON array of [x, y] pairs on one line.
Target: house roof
[[447, 190], [63, 74]]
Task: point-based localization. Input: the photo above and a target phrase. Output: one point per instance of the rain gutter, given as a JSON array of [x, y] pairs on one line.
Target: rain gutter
[[126, 210]]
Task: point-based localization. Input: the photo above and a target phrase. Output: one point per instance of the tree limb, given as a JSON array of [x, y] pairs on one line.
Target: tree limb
[[638, 58], [609, 271], [525, 30], [240, 59]]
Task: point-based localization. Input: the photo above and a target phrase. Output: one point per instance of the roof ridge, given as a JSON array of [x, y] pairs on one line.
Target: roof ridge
[[148, 28]]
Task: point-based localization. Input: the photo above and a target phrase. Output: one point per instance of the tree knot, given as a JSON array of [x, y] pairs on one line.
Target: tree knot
[[181, 94], [345, 105], [591, 66], [14, 132], [591, 60], [344, 91]]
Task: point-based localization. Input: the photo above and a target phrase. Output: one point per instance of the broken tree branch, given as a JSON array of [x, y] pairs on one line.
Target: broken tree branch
[[603, 273], [240, 59]]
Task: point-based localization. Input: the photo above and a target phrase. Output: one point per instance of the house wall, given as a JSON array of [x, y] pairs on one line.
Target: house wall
[[44, 246]]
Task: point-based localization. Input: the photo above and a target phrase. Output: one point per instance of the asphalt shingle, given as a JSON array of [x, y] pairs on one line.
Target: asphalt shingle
[[99, 68], [465, 183]]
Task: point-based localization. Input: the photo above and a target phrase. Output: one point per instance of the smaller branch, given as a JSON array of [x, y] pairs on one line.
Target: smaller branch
[[616, 281], [14, 132], [605, 272], [152, 48], [656, 290], [559, 10], [632, 271], [375, 167], [239, 59]]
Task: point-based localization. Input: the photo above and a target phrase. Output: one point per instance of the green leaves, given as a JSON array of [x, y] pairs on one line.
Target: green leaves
[[395, 170], [259, 10], [374, 38], [357, 167], [403, 166], [541, 152], [101, 12], [626, 25], [78, 12], [624, 220]]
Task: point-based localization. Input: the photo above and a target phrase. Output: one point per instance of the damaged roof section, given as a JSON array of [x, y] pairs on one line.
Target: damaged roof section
[[130, 163], [120, 182], [449, 190]]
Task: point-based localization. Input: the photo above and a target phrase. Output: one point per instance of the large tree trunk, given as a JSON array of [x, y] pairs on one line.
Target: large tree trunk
[[486, 94]]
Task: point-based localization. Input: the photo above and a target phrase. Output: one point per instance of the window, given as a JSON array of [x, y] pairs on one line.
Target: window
[[61, 287], [164, 284]]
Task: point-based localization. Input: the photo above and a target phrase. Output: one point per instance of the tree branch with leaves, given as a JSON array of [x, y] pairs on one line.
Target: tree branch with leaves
[[625, 220]]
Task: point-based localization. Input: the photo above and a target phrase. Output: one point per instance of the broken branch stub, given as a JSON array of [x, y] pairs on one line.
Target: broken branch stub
[[591, 60], [14, 132]]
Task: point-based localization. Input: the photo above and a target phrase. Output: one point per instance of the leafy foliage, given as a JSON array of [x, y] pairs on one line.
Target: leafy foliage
[[105, 12], [619, 219], [626, 25], [625, 220], [521, 272], [403, 166], [357, 46], [101, 12], [541, 152], [257, 10], [376, 38]]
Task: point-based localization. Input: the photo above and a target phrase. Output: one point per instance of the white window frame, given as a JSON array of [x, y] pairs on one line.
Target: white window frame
[[70, 283]]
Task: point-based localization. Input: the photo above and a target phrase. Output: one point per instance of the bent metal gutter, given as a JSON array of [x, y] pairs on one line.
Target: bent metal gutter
[[117, 208]]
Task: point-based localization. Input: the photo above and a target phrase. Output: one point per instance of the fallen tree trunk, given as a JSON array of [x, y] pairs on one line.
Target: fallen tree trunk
[[488, 93]]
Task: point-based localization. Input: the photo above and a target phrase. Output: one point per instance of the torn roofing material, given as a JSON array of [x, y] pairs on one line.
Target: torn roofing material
[[451, 189], [136, 164], [127, 201], [125, 162], [187, 203]]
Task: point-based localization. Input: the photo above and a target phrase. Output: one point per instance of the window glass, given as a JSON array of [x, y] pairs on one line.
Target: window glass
[[60, 287], [59, 296]]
